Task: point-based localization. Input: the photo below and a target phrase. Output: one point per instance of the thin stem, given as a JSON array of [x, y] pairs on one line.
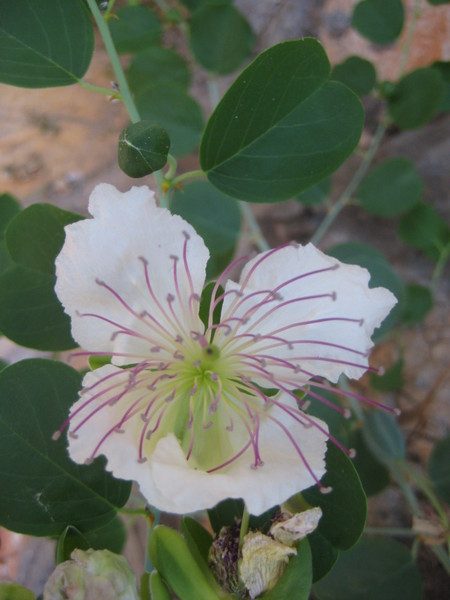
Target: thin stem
[[409, 39], [125, 93], [440, 553], [172, 162], [440, 265], [213, 90], [256, 234], [400, 531], [133, 511], [353, 185], [244, 526], [426, 489], [98, 89], [407, 490], [109, 8], [186, 176]]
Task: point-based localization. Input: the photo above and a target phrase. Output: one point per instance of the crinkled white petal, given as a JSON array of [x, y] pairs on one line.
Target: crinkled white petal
[[328, 347], [108, 248], [167, 480], [182, 489]]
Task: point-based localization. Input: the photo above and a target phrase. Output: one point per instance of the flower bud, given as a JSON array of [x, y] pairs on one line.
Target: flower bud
[[92, 575]]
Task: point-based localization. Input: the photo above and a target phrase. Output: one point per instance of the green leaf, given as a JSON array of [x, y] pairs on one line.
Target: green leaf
[[384, 437], [42, 490], [35, 236], [44, 44], [143, 148], [205, 303], [296, 580], [381, 275], [380, 21], [30, 313], [158, 65], [317, 193], [423, 228], [356, 73], [391, 380], [215, 216], [416, 98], [227, 512], [14, 591], [111, 537], [135, 29], [373, 570], [443, 68], [374, 476], [3, 364], [158, 588], [221, 37], [170, 106], [345, 508], [439, 468], [281, 127], [391, 188], [171, 556], [323, 553], [199, 541], [9, 208], [419, 302]]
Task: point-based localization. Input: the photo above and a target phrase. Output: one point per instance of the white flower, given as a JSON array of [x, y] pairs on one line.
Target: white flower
[[184, 409]]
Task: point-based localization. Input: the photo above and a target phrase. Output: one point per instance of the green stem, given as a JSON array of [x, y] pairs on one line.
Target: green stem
[[409, 38], [400, 531], [440, 265], [186, 176], [244, 526], [256, 234], [441, 554], [96, 88], [125, 93], [353, 185], [109, 8], [133, 511], [426, 489]]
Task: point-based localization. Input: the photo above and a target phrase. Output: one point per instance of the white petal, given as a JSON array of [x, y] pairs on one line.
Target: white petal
[[108, 248], [323, 318], [171, 483], [182, 489]]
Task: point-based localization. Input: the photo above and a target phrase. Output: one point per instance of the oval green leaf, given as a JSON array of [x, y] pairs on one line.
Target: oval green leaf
[[159, 590], [9, 208], [221, 37], [381, 275], [111, 536], [14, 591], [44, 44], [135, 28], [215, 216], [356, 73], [443, 68], [296, 580], [416, 98], [36, 235], [439, 468], [143, 148], [157, 65], [323, 554], [380, 21], [30, 313], [170, 106], [36, 472], [391, 188], [384, 437], [172, 559], [373, 474], [423, 228], [317, 193], [281, 127], [372, 570], [345, 508], [419, 302]]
